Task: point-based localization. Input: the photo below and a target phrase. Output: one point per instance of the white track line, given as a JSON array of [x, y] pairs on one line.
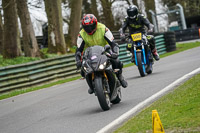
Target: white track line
[[120, 120]]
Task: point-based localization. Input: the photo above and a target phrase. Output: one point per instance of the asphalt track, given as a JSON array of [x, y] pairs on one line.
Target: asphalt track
[[67, 108]]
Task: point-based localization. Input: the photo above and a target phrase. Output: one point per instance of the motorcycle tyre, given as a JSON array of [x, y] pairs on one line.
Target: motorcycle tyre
[[140, 66], [103, 98]]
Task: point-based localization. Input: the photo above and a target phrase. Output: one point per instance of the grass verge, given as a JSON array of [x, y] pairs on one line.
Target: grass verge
[[179, 111], [180, 48], [15, 61], [22, 59]]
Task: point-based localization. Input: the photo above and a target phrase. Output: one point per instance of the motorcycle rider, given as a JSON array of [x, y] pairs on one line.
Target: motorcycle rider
[[95, 33], [137, 22]]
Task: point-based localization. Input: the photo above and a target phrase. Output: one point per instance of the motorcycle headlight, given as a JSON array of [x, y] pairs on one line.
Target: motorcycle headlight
[[85, 68], [102, 66]]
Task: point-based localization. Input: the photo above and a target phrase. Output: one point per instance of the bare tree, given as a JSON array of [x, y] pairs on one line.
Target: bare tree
[[74, 25], [1, 34], [11, 39], [56, 41], [149, 5], [191, 7], [30, 45], [135, 2], [107, 12], [94, 9], [87, 7], [91, 8]]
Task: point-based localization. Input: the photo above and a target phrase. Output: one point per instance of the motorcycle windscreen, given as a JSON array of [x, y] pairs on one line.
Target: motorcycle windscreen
[[93, 52], [93, 56]]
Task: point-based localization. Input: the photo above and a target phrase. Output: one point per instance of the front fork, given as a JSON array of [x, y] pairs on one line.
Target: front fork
[[143, 52]]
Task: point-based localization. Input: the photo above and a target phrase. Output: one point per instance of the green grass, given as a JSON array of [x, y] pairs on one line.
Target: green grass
[[22, 59], [15, 61], [19, 60], [179, 111]]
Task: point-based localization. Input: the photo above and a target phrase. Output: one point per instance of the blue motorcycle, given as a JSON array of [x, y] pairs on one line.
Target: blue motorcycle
[[142, 53]]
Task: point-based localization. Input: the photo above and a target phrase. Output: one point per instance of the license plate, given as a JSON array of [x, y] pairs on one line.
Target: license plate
[[137, 36]]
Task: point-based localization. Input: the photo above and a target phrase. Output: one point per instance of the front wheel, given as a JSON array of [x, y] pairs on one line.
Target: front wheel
[[141, 65], [102, 93]]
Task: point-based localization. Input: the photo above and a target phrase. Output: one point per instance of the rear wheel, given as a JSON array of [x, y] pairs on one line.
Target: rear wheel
[[102, 94], [141, 65]]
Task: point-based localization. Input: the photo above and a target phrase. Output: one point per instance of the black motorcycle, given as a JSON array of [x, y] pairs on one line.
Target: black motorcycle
[[100, 76]]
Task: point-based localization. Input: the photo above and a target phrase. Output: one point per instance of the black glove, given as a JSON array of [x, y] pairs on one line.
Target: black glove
[[78, 64], [115, 52], [114, 56], [122, 37]]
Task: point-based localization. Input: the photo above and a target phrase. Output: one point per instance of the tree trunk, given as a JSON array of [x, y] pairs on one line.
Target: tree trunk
[[30, 45], [11, 39], [74, 26], [94, 9], [1, 34], [56, 41], [135, 2], [87, 7], [107, 13], [149, 5]]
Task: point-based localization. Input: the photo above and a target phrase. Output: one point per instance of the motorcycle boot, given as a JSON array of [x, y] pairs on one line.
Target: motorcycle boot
[[121, 79], [90, 91], [155, 54], [151, 41]]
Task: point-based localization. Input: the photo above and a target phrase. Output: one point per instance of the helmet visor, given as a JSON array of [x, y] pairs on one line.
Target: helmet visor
[[90, 28], [132, 13]]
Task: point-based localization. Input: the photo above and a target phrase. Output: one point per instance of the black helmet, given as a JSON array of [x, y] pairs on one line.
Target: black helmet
[[132, 12]]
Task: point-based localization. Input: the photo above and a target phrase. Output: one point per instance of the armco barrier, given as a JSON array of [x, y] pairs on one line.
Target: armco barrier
[[160, 44], [37, 72], [124, 55]]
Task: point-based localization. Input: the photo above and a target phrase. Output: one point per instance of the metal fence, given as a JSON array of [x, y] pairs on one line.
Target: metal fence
[[48, 70]]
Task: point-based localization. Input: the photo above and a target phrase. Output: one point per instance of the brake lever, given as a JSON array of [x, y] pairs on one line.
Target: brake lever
[[108, 54]]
